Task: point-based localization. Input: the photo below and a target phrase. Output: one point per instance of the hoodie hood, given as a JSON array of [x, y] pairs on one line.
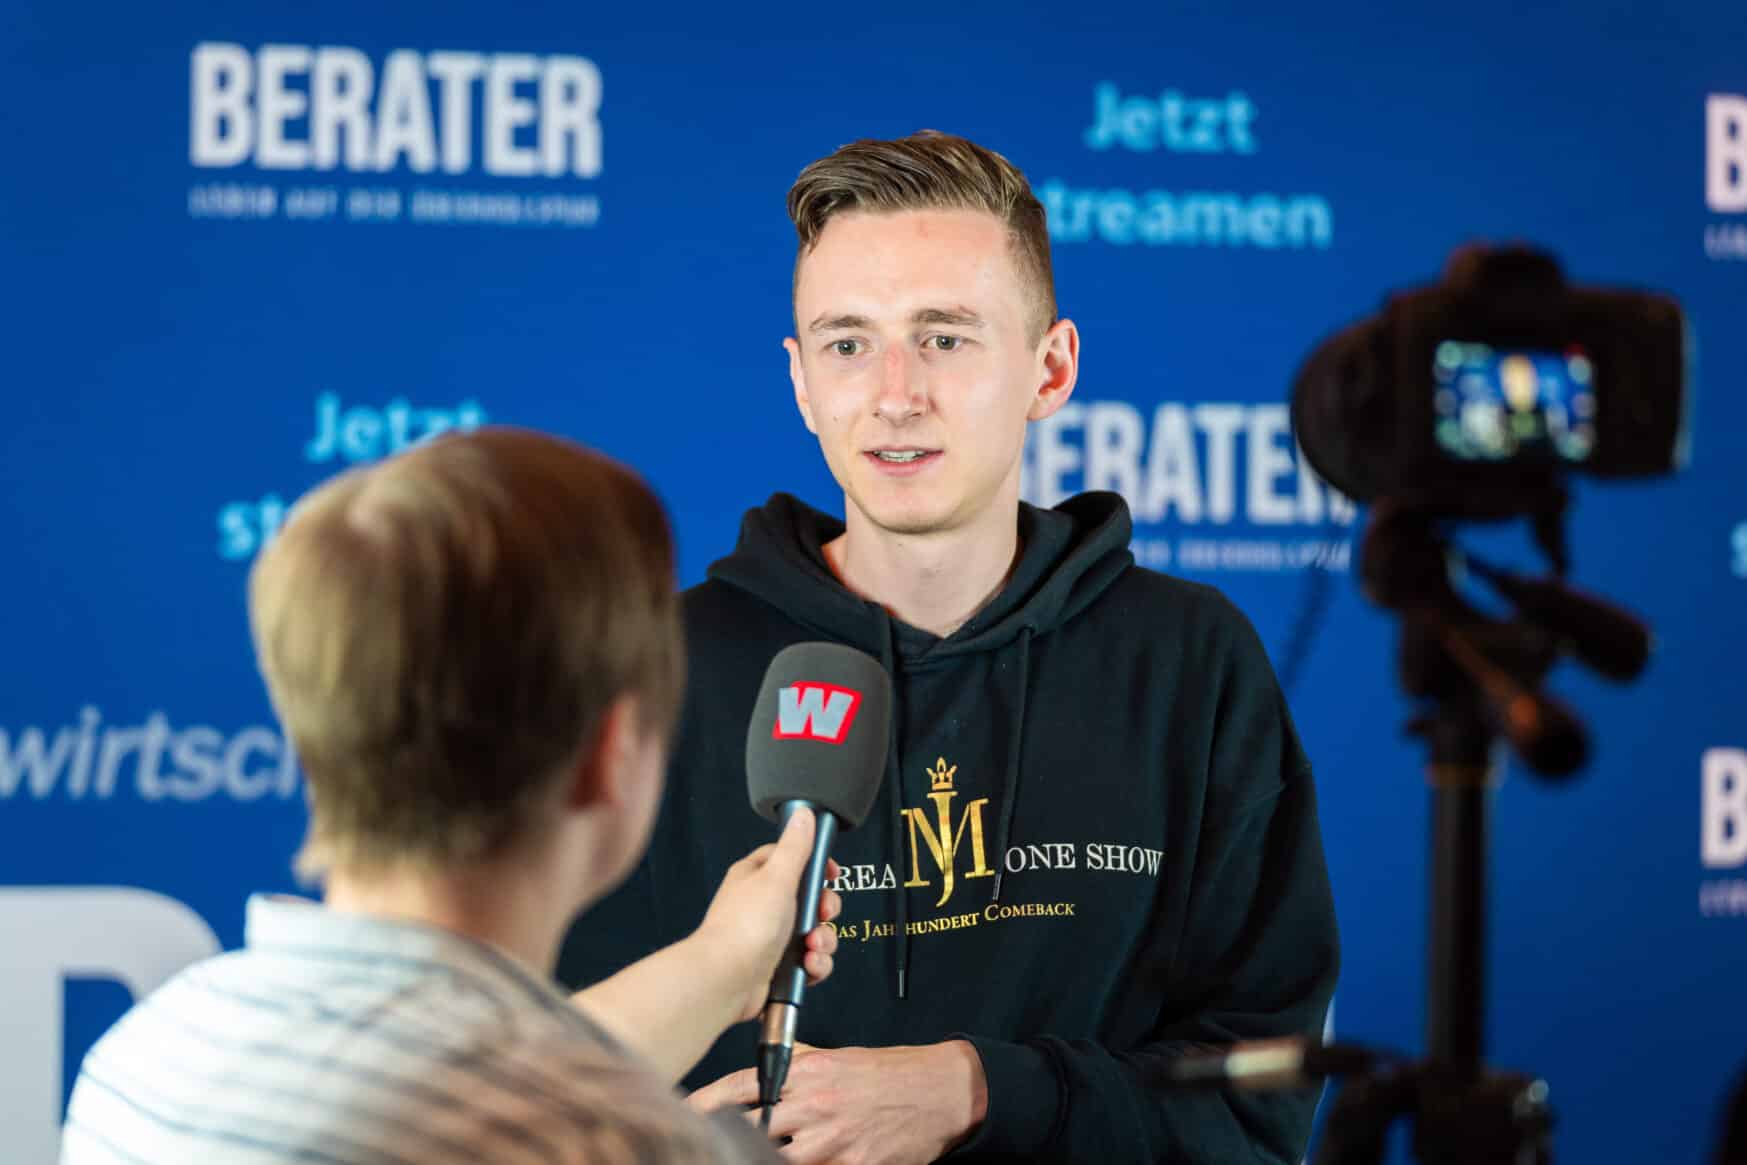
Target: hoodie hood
[[1069, 556]]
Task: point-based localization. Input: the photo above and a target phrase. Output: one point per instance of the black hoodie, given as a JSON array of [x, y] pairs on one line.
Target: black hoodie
[[1096, 847]]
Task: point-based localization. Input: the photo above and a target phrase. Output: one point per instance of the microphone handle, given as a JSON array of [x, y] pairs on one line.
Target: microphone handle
[[790, 980], [782, 1008]]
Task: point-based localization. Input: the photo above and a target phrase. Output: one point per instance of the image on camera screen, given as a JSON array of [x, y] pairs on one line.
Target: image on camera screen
[[1495, 404]]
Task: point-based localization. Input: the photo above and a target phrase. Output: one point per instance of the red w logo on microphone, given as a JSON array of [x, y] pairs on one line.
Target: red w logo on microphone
[[820, 712]]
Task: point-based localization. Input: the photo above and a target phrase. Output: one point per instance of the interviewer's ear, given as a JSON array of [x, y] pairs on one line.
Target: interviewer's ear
[[607, 766]]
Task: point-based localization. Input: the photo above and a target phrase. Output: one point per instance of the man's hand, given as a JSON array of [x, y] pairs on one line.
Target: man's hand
[[891, 1106], [752, 916]]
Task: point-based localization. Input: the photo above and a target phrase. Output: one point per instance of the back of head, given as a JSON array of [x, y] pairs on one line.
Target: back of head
[[929, 170], [441, 634]]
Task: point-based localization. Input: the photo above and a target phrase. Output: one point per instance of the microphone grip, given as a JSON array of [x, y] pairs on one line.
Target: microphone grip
[[776, 1036], [790, 980]]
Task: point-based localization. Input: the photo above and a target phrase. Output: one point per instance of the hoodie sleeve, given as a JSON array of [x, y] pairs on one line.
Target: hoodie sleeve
[[1258, 958]]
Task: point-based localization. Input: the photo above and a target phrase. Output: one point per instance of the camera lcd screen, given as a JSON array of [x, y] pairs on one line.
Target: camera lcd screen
[[1499, 404]]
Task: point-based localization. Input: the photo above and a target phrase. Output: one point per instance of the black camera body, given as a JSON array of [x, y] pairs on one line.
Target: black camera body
[[1470, 393]]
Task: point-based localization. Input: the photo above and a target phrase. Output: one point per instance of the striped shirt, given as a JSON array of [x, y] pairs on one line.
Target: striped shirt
[[336, 1039]]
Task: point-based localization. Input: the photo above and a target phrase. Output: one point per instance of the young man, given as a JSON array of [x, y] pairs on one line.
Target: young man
[[1099, 846], [475, 648]]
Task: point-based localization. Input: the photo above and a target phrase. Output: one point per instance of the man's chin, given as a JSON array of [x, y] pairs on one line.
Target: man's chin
[[908, 520], [913, 526]]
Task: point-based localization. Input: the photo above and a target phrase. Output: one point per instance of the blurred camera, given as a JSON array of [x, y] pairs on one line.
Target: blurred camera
[[1468, 394]]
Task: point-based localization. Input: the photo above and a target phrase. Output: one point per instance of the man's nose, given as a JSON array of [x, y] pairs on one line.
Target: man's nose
[[903, 394]]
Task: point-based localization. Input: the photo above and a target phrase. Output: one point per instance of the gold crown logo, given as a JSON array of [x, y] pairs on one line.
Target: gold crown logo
[[941, 776]]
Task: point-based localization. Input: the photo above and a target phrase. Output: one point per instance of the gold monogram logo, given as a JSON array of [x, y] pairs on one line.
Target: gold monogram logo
[[941, 840]]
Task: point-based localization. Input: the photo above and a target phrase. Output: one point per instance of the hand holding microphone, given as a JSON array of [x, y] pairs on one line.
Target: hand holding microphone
[[816, 753], [751, 920], [673, 1004]]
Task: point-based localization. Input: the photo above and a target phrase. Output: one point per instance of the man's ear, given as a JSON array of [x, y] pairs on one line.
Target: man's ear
[[1058, 369], [605, 764], [798, 378]]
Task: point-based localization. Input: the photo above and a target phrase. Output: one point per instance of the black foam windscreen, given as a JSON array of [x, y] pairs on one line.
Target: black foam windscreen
[[819, 731]]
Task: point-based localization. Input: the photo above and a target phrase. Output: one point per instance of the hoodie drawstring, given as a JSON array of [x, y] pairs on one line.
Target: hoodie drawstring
[[1010, 789], [895, 780]]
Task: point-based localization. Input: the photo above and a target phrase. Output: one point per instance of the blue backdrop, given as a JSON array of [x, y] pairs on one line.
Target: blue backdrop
[[243, 250]]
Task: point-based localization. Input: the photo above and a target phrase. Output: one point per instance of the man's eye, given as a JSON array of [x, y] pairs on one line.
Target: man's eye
[[946, 343], [845, 347]]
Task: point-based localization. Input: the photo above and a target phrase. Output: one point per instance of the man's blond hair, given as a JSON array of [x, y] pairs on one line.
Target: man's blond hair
[[441, 634], [929, 170]]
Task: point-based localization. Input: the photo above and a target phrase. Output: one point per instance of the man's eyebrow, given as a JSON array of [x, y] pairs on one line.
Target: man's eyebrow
[[960, 317], [838, 323]]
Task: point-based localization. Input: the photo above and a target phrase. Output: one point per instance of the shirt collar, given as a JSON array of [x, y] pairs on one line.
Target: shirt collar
[[281, 921]]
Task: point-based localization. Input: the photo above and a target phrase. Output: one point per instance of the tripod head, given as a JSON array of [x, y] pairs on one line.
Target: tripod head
[[1482, 675]]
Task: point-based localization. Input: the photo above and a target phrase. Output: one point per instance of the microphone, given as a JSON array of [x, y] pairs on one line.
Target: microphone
[[817, 740], [1261, 1066]]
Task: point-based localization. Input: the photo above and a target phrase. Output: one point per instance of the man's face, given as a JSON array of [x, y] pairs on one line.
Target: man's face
[[916, 368]]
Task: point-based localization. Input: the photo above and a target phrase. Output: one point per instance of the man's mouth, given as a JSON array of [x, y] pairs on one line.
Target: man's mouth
[[901, 456]]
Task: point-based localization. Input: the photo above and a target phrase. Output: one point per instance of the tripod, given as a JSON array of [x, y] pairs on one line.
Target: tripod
[[1481, 678]]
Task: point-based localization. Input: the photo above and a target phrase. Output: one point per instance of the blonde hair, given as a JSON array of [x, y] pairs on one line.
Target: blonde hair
[[929, 170], [442, 632]]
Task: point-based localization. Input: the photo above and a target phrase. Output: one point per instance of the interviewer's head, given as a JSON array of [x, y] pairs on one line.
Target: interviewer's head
[[473, 645]]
